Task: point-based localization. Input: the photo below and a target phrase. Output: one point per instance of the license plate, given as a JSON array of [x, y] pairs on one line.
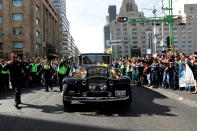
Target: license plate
[[120, 93]]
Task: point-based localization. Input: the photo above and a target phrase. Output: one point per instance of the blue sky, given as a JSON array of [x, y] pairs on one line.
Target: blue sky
[[88, 17]]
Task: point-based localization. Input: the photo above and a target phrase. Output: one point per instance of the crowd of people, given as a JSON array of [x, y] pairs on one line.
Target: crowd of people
[[177, 71], [25, 72]]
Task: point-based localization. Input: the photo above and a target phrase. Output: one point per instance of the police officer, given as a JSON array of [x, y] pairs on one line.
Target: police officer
[[33, 72], [15, 68], [5, 76], [48, 73], [62, 69]]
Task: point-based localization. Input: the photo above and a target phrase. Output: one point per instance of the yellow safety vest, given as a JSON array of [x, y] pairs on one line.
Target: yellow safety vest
[[47, 67]]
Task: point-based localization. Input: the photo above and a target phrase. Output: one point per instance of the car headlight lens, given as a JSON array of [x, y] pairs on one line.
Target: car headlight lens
[[114, 73], [81, 73], [103, 87]]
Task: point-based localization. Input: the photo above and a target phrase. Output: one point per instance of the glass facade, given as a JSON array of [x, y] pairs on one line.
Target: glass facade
[[1, 19], [60, 6], [18, 31], [17, 17], [17, 3], [37, 8], [1, 32], [37, 21], [1, 46], [37, 33], [17, 45], [0, 5]]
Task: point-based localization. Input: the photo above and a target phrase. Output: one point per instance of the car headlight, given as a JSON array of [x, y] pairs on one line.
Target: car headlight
[[114, 73], [81, 73]]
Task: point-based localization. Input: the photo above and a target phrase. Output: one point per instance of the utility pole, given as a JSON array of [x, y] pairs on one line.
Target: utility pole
[[155, 37], [163, 29]]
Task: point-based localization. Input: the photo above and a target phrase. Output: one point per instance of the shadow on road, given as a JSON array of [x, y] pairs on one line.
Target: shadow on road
[[10, 123], [58, 109], [143, 105]]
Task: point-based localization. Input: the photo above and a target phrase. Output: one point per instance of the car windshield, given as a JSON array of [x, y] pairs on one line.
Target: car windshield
[[95, 59]]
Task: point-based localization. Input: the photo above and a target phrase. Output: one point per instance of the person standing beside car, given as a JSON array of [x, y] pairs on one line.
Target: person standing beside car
[[62, 69]]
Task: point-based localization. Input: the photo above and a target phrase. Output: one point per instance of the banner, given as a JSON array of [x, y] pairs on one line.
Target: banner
[[186, 77]]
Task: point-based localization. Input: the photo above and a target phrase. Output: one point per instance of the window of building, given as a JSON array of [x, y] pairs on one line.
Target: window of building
[[0, 5], [118, 29], [191, 9], [1, 46], [17, 17], [125, 24], [125, 38], [37, 33], [125, 29], [17, 30], [190, 46], [1, 19], [17, 3], [189, 41], [134, 33], [183, 46], [1, 32], [37, 8], [183, 41], [176, 46], [143, 37], [37, 21], [17, 45]]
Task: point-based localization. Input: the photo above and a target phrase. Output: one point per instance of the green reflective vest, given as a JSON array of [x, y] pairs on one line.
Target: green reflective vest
[[62, 70], [128, 68], [4, 72], [34, 68]]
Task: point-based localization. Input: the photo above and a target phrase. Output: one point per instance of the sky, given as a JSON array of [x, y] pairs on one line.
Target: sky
[[88, 17]]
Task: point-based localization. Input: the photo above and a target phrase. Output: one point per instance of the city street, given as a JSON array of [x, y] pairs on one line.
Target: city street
[[152, 110]]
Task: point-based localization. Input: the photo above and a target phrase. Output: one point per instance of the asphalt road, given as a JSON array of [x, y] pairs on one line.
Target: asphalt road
[[152, 110]]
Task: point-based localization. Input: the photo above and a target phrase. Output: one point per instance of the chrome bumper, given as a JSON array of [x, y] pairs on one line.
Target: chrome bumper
[[96, 99]]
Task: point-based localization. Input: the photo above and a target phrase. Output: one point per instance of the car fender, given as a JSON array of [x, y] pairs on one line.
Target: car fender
[[124, 80]]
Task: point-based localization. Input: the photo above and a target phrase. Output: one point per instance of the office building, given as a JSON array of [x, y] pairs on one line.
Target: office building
[[29, 28]]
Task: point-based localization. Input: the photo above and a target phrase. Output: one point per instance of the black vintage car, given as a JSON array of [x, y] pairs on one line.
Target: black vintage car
[[96, 81]]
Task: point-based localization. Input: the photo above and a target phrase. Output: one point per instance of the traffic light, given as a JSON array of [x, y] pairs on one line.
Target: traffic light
[[168, 41]]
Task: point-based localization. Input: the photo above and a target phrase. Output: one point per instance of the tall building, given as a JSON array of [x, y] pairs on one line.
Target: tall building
[[109, 19], [29, 28], [112, 13], [67, 40], [136, 38], [131, 36]]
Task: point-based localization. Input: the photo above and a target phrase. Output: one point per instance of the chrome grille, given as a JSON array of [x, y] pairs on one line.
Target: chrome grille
[[97, 80], [97, 71]]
